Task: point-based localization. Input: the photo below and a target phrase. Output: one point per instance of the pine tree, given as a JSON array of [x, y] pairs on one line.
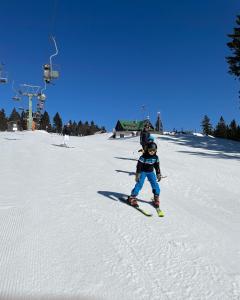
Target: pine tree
[[234, 45], [221, 129], [87, 130], [238, 133], [15, 117], [74, 128], [3, 120], [206, 125], [45, 122], [57, 123], [23, 121], [232, 130], [79, 128]]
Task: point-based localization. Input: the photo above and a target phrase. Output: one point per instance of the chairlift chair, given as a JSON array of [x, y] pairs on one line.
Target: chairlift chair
[[3, 80], [17, 93], [3, 76], [42, 97], [48, 73], [16, 98]]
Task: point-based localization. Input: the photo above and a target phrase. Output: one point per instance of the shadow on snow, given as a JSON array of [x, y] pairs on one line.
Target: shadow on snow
[[219, 148], [126, 172], [126, 158], [118, 197]]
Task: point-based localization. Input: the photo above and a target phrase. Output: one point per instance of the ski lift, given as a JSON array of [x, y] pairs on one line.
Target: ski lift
[[48, 73], [41, 100], [3, 76], [16, 97], [42, 97]]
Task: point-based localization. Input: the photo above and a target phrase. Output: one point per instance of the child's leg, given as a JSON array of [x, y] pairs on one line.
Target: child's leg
[[154, 184], [155, 188], [139, 184]]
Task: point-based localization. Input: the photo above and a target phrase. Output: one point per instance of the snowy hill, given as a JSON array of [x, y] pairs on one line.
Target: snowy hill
[[65, 235]]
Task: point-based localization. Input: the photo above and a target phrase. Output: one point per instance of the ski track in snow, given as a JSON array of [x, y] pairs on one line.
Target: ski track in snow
[[63, 231]]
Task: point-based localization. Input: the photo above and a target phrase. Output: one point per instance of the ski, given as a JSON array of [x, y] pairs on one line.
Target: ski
[[159, 212], [144, 212]]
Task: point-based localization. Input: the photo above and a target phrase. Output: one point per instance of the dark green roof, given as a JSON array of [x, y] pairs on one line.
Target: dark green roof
[[131, 125]]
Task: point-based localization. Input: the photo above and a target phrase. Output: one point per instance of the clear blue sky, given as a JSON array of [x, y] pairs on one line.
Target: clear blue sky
[[115, 56]]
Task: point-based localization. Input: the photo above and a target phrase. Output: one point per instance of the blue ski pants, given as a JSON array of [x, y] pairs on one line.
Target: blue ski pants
[[151, 178]]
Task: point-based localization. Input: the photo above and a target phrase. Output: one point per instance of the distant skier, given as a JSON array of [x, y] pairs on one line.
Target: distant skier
[[66, 133], [144, 136], [145, 168]]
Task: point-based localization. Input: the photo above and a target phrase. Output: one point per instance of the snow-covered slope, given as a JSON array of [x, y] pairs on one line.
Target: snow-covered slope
[[64, 234]]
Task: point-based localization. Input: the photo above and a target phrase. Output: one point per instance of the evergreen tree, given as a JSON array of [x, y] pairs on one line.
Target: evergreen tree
[[238, 133], [93, 128], [57, 123], [232, 130], [74, 128], [23, 121], [15, 117], [79, 129], [206, 125], [45, 122], [221, 129], [234, 45], [3, 120], [87, 130]]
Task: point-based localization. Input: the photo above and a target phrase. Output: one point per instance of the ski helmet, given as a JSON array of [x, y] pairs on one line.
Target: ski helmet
[[151, 138], [152, 146]]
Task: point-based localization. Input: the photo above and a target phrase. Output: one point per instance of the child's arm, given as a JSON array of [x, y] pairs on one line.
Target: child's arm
[[157, 168], [140, 164]]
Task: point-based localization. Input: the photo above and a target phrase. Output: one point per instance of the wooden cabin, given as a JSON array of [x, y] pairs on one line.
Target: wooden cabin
[[125, 128]]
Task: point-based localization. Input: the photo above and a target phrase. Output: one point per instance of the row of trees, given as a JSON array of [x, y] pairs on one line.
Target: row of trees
[[44, 123], [222, 130]]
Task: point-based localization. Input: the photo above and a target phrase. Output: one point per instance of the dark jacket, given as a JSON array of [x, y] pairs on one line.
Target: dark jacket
[[66, 130], [147, 163], [144, 136]]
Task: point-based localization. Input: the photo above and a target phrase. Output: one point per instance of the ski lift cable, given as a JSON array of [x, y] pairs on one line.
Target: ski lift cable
[[44, 88], [53, 17], [56, 53]]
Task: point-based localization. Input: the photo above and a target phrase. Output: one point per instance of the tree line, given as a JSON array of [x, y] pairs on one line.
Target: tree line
[[44, 123], [222, 130]]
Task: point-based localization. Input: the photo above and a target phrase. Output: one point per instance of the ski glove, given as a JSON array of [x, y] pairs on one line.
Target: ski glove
[[159, 177], [137, 177]]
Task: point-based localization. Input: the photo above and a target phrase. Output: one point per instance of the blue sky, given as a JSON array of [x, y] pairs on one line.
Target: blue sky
[[116, 56]]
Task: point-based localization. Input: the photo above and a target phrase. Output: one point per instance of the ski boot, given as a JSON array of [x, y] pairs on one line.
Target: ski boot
[[156, 201], [132, 201]]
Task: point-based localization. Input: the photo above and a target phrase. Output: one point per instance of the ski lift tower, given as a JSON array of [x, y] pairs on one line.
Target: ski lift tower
[[31, 91]]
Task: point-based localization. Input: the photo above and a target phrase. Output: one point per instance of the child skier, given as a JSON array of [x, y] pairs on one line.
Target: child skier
[[146, 163]]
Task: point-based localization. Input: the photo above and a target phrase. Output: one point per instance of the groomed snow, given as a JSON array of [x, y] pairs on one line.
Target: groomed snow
[[65, 235]]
